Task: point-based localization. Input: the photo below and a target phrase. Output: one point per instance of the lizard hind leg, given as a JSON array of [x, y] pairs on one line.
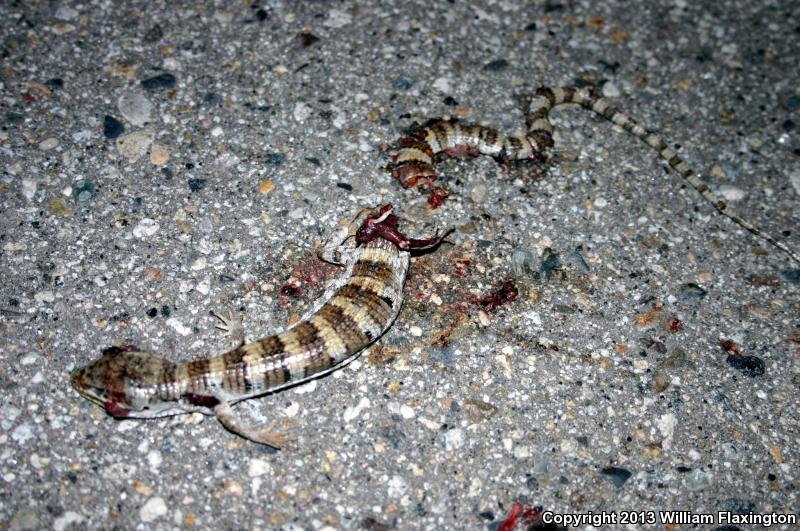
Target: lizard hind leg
[[233, 423]]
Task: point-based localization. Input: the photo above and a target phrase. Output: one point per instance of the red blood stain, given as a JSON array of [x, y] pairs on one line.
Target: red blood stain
[[507, 293], [730, 347]]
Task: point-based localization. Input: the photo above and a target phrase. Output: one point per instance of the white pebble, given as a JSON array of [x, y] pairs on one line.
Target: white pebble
[[178, 327], [22, 433], [454, 439], [600, 202], [145, 228], [154, 458], [352, 412], [217, 131], [415, 331], [338, 18], [258, 467], [442, 84], [29, 189], [66, 520], [397, 486], [135, 108], [731, 193], [611, 90], [154, 508], [297, 213], [48, 144], [407, 412], [301, 111]]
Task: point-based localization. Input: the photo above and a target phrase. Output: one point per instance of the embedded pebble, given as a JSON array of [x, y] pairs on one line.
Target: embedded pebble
[[397, 486], [154, 458], [750, 366], [22, 433], [66, 13], [691, 292], [698, 479], [258, 467], [454, 439], [25, 518], [404, 82], [302, 111], [83, 191], [611, 90], [617, 476], [67, 519], [112, 128], [600, 202], [297, 213], [135, 108], [161, 81], [442, 84], [48, 144], [145, 228], [731, 193], [158, 154], [153, 509], [337, 19], [29, 189], [415, 331], [478, 194], [352, 412], [134, 145], [407, 412]]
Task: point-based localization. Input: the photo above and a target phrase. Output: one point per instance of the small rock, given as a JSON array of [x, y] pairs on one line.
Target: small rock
[[195, 185], [404, 82], [691, 292], [617, 476], [112, 128], [297, 213], [730, 193], [275, 158], [83, 191], [22, 433], [135, 108], [159, 155], [134, 145], [145, 228], [454, 439], [66, 520], [302, 111], [611, 90], [48, 144], [161, 81], [66, 13], [478, 194], [751, 366], [152, 509], [29, 189], [258, 467], [25, 518], [496, 65], [338, 19]]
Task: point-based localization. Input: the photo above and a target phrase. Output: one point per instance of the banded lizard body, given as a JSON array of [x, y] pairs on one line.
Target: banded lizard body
[[355, 310], [412, 161]]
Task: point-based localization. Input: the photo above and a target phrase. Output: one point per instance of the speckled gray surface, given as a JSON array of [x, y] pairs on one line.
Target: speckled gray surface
[[245, 132]]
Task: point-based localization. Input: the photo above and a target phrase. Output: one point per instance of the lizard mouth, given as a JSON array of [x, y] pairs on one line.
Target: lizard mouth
[[78, 382]]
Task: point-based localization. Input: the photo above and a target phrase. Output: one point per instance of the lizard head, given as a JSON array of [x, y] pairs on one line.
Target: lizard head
[[124, 381]]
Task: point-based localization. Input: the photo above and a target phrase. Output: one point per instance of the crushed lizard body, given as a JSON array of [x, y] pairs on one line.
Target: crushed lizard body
[[353, 313], [412, 161]]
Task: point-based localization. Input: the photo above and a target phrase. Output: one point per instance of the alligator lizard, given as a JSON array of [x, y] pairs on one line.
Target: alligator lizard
[[412, 161], [354, 311]]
